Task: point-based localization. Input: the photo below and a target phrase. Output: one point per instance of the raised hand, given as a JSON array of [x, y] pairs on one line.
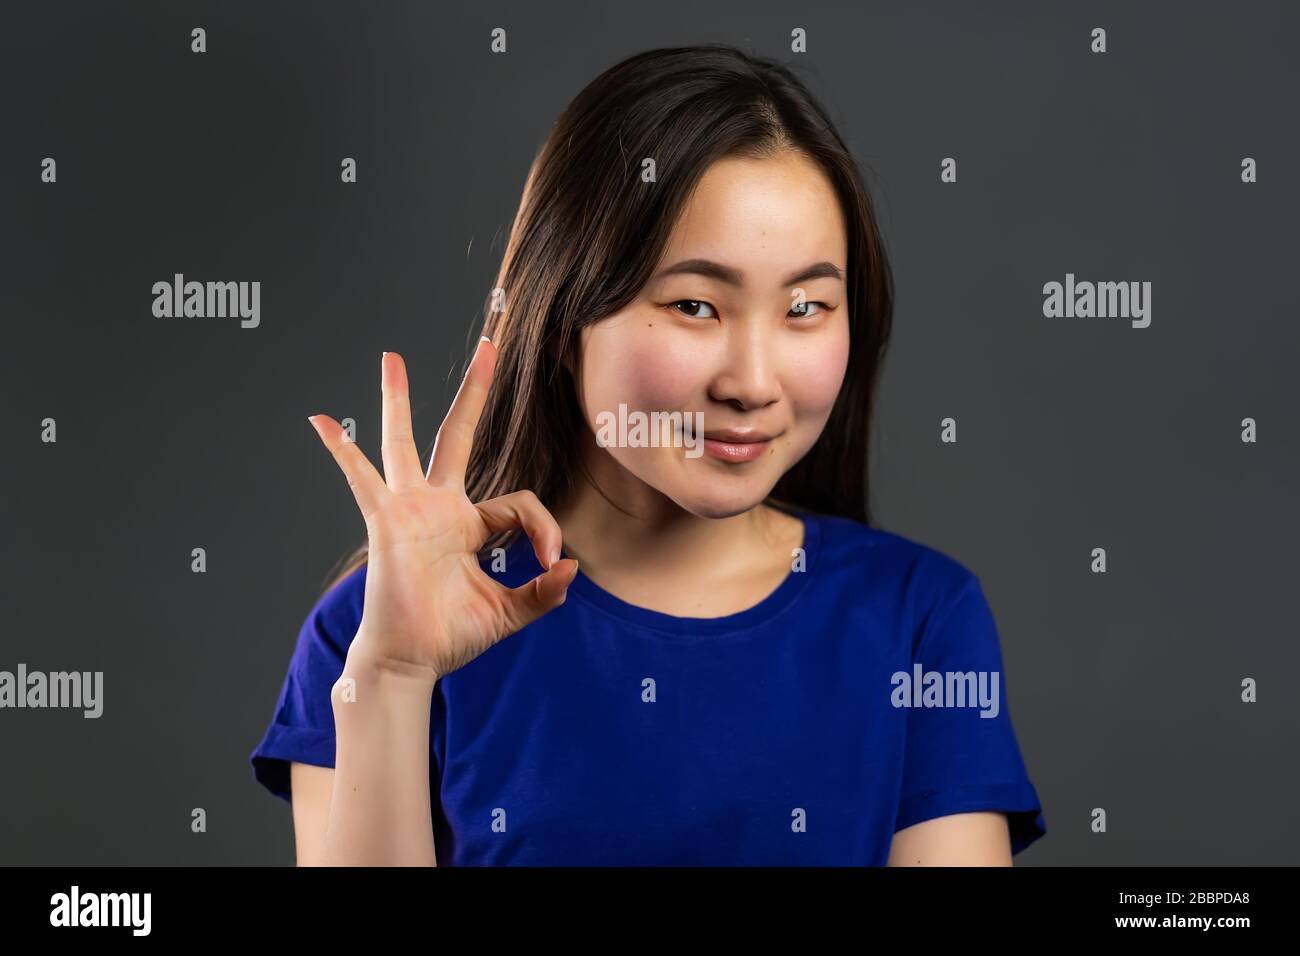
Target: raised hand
[[429, 607]]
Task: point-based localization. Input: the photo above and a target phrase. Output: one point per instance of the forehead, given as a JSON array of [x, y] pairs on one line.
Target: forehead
[[762, 217]]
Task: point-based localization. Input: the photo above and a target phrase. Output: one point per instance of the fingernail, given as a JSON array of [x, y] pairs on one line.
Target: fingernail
[[555, 556], [484, 338]]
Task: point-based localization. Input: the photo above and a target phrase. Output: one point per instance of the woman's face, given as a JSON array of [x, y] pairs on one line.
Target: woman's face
[[742, 328]]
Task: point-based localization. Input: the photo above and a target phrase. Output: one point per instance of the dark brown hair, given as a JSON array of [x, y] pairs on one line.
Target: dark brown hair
[[589, 232]]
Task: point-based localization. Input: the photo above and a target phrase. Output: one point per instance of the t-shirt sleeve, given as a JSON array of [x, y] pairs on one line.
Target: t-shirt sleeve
[[302, 728], [965, 758]]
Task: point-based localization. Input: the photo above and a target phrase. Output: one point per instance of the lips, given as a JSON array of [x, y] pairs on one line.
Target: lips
[[736, 445], [738, 436]]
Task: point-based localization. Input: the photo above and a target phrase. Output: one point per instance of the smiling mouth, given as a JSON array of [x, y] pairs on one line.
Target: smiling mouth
[[737, 446]]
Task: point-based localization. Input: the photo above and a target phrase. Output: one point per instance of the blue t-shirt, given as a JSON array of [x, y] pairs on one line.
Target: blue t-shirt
[[863, 695]]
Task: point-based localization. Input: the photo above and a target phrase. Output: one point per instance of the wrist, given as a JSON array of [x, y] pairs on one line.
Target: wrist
[[366, 668]]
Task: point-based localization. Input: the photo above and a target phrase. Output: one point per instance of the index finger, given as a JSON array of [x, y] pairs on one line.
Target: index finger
[[456, 434]]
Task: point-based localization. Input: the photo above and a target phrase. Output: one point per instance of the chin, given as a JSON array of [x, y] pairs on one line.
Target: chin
[[721, 503]]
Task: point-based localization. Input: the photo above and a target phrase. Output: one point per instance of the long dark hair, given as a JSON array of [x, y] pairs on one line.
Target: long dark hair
[[590, 231]]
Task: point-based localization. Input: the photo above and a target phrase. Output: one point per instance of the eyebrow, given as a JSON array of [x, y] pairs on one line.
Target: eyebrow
[[716, 270]]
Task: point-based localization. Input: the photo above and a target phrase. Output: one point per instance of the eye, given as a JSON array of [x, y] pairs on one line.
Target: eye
[[804, 311], [695, 303]]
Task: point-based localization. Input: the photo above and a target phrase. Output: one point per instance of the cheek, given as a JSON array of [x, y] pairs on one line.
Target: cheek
[[630, 363], [815, 372]]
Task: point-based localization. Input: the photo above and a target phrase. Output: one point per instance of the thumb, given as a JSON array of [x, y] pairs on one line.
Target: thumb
[[529, 601]]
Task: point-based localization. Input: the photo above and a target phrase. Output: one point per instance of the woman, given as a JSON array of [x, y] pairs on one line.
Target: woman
[[745, 670]]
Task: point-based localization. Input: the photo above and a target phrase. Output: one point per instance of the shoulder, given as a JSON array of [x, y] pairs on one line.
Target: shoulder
[[889, 557], [336, 614], [924, 584]]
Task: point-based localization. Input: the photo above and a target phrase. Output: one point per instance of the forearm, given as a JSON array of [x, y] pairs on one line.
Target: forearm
[[380, 813]]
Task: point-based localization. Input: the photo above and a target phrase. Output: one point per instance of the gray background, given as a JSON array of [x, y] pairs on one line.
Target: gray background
[[1074, 433]]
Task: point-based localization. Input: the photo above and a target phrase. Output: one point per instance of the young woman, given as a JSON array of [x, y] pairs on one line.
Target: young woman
[[745, 670]]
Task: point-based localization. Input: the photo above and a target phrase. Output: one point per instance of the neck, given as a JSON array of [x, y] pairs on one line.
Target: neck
[[625, 525]]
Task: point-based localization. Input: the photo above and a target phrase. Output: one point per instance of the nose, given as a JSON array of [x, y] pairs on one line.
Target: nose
[[747, 377]]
